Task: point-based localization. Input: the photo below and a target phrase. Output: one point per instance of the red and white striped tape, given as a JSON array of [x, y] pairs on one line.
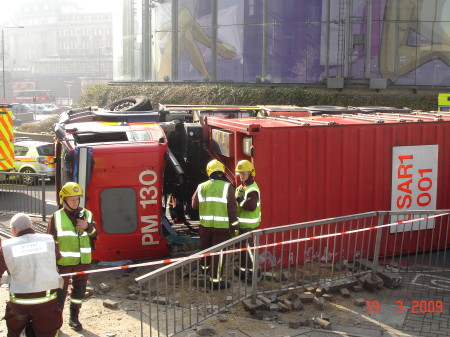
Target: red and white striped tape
[[198, 256]]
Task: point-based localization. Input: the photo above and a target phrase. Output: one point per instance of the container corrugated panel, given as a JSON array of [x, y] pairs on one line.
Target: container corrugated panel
[[321, 171]]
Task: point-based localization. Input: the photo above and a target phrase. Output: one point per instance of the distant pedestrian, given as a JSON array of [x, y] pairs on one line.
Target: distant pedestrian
[[30, 259], [216, 203], [73, 227]]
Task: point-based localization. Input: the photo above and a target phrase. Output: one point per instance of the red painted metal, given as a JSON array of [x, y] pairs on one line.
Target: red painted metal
[[123, 165], [321, 171]]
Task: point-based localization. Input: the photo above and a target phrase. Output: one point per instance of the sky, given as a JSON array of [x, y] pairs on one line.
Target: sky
[[6, 7]]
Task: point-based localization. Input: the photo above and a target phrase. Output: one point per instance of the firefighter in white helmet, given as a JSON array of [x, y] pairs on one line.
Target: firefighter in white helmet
[[30, 260], [248, 198], [216, 203], [74, 228]]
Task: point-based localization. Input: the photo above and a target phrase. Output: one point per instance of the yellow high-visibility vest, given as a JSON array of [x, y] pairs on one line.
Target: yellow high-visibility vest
[[6, 138]]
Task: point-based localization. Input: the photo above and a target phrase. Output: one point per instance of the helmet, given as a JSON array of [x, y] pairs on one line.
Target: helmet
[[70, 189], [214, 166], [245, 166]]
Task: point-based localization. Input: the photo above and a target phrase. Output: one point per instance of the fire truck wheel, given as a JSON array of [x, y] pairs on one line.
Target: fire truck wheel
[[28, 180], [132, 103]]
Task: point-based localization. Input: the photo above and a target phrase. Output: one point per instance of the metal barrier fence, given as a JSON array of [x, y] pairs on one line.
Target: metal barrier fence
[[23, 192], [322, 253]]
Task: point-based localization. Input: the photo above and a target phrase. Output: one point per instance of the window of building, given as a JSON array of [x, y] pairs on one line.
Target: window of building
[[251, 7]]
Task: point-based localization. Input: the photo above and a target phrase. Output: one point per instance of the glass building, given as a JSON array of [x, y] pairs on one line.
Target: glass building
[[374, 42]]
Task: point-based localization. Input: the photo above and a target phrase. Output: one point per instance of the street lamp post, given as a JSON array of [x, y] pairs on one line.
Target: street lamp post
[[99, 59], [3, 60], [69, 84]]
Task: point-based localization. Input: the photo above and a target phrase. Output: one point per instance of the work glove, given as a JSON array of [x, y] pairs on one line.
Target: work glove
[[79, 230], [234, 231], [239, 199]]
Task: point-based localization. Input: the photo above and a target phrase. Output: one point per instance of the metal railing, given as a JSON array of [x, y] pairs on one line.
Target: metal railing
[[23, 192], [322, 253]]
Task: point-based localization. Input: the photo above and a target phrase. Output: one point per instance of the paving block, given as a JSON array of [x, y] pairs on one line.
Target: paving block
[[297, 304], [206, 331], [288, 304], [322, 323], [273, 307], [110, 304], [133, 297], [133, 289], [248, 305], [328, 297], [357, 288], [371, 282], [320, 303], [264, 299], [282, 307], [325, 317], [306, 297], [294, 324], [160, 300], [335, 285], [390, 279], [269, 316], [320, 291], [360, 302], [344, 292], [104, 287]]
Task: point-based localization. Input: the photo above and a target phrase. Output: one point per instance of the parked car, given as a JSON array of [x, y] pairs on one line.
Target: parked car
[[16, 121], [37, 108], [19, 108], [49, 108], [34, 157]]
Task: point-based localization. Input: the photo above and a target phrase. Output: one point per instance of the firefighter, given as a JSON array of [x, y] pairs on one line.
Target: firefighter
[[217, 207], [249, 213], [73, 227], [30, 259]]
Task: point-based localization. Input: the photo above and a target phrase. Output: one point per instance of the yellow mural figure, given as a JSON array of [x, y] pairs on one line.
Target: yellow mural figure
[[189, 35], [414, 33]]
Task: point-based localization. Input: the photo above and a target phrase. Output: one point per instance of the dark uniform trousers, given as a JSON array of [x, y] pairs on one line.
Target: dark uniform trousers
[[246, 262], [209, 237], [46, 318], [79, 283]]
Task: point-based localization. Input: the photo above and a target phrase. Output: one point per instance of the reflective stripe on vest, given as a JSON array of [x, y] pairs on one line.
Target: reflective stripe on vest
[[30, 259], [29, 301], [249, 219], [74, 248], [213, 203]]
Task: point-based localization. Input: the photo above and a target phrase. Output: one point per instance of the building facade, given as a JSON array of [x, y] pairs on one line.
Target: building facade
[[335, 43], [58, 47]]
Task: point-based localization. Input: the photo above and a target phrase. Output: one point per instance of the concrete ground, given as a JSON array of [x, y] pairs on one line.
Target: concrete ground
[[419, 307]]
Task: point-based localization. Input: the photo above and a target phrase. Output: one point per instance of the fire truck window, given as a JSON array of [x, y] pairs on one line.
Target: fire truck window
[[99, 137], [119, 212], [140, 135]]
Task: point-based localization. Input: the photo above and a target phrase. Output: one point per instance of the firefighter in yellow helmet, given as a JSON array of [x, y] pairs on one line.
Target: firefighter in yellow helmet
[[248, 199], [215, 199], [73, 227]]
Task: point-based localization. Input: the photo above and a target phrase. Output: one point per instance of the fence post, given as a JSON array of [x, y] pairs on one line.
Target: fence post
[[255, 267], [377, 247], [44, 215]]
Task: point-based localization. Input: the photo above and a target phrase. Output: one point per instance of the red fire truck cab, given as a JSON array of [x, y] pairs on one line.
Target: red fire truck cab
[[120, 165]]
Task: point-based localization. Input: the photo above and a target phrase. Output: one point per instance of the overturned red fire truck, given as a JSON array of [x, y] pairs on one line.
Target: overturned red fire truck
[[311, 163]]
